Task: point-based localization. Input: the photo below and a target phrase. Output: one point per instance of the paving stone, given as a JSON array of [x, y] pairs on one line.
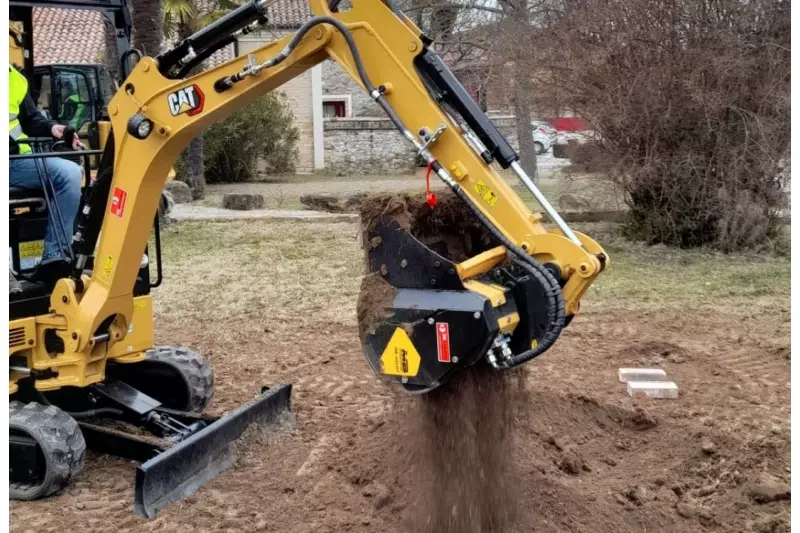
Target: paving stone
[[642, 374], [653, 389]]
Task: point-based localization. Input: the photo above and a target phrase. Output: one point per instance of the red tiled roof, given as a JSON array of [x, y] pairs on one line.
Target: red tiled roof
[[287, 14], [77, 36], [67, 36]]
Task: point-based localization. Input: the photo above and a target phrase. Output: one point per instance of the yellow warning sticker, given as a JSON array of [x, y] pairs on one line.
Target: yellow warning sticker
[[108, 264], [485, 192], [30, 253], [400, 358], [31, 249], [139, 303]]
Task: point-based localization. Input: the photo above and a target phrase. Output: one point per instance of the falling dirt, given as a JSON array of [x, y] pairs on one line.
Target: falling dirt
[[460, 431], [464, 436]]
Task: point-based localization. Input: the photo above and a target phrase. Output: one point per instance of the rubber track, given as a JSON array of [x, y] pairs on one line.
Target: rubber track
[[195, 368], [61, 441]]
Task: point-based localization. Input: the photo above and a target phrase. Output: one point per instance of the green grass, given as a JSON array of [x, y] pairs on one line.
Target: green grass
[[314, 268], [287, 203], [663, 277]]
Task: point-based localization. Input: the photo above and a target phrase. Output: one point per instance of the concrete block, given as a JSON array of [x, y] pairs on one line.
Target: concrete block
[[642, 374], [652, 389]]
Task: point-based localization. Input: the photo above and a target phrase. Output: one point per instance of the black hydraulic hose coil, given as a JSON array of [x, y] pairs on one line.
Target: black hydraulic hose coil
[[554, 295]]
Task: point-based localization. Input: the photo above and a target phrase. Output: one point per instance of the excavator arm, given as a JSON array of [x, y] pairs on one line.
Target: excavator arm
[[538, 275]]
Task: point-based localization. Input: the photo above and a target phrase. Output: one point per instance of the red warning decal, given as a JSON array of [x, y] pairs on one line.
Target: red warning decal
[[443, 341], [118, 202]]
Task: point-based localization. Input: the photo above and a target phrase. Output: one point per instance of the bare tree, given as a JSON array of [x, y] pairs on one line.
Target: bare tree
[[691, 101], [486, 35]]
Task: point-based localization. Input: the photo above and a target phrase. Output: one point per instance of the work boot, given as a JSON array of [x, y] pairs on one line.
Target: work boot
[[14, 286], [51, 270]]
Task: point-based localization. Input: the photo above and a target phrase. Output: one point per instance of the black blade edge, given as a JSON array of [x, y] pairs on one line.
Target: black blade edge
[[187, 466]]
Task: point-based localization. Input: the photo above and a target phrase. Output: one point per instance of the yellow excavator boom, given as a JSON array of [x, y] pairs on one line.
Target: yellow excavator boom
[[159, 109]]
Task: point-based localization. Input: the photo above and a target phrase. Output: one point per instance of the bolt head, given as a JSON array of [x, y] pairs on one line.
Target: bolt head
[[476, 314], [74, 336], [64, 299], [430, 321], [455, 359]]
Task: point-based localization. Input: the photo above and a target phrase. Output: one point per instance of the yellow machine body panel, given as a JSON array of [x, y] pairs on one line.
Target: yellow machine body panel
[[26, 338]]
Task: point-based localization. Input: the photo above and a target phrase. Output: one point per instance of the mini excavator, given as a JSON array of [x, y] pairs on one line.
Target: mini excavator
[[502, 307]]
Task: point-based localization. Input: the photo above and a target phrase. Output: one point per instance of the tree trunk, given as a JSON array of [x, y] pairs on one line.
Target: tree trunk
[[148, 26], [111, 53], [196, 179], [522, 110], [196, 176]]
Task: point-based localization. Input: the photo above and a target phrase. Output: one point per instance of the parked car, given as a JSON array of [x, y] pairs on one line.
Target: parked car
[[544, 135]]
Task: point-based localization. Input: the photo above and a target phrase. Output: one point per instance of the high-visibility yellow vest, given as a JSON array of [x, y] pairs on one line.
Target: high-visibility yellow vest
[[17, 89]]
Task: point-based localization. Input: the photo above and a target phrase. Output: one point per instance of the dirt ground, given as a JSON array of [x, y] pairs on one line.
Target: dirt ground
[[582, 456]]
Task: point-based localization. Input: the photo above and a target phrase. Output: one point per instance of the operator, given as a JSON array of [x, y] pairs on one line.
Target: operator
[[72, 108], [24, 121]]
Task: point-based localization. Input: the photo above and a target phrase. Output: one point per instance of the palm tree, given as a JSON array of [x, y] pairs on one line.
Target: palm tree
[[148, 26], [181, 19]]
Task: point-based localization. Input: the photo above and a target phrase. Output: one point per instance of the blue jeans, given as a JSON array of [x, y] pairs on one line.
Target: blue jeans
[[66, 177]]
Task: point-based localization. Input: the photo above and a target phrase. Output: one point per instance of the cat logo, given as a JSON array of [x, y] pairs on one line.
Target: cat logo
[[188, 100]]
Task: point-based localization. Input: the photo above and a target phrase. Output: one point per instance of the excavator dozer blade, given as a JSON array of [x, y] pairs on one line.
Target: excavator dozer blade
[[188, 465]]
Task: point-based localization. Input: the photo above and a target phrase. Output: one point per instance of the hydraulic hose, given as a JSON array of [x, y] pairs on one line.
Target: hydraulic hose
[[95, 412]]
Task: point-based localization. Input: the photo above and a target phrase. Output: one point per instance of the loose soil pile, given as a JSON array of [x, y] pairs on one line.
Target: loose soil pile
[[450, 229]]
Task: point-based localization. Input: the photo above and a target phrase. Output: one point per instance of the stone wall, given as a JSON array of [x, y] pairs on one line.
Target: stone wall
[[373, 145], [336, 82], [366, 146]]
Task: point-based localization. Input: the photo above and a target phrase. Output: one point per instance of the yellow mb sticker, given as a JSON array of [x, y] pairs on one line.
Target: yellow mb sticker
[[108, 264], [400, 358], [485, 192]]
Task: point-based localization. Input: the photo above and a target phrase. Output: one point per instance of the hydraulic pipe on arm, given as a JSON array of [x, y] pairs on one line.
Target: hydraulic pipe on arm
[[154, 118]]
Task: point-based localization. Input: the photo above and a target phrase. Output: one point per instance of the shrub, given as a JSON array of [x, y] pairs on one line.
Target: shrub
[[691, 101], [258, 137]]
